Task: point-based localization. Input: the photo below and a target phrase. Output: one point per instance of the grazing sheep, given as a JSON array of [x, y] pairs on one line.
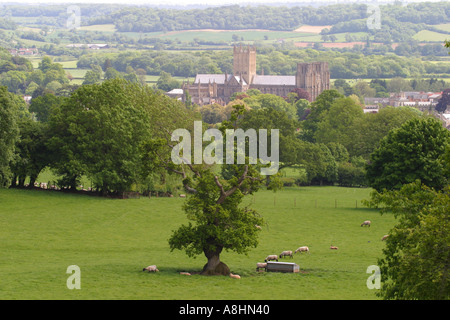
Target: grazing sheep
[[182, 196], [333, 248], [151, 268], [257, 227], [384, 237], [235, 276], [260, 265], [185, 273], [286, 253], [302, 249], [271, 257], [366, 223]]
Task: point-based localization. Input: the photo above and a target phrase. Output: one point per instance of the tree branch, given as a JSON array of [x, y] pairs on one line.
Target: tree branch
[[224, 194]]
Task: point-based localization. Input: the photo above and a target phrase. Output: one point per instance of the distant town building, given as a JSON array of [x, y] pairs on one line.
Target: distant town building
[[176, 94], [445, 117], [24, 52], [218, 88], [423, 101]]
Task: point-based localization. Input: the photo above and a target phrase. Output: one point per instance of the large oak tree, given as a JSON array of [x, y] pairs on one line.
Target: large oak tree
[[217, 220]]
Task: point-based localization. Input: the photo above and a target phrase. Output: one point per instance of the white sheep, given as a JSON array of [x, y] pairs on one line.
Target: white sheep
[[151, 268], [384, 237], [185, 273], [271, 257], [260, 265], [333, 248], [235, 276], [302, 249], [286, 253], [366, 223]]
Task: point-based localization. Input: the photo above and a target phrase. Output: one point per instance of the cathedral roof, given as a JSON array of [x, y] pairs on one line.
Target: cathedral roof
[[217, 78], [257, 79], [274, 80], [207, 78]]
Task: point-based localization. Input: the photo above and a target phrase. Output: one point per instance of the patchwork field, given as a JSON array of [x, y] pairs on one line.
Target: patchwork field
[[45, 232]]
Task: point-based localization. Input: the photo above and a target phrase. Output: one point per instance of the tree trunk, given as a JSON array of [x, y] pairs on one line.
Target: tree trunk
[[32, 181], [14, 181], [22, 181], [214, 266]]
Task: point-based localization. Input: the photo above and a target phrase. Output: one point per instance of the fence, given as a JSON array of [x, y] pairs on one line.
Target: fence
[[301, 202]]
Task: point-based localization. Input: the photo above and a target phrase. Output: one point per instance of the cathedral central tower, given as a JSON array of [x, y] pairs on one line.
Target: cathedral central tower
[[244, 63]]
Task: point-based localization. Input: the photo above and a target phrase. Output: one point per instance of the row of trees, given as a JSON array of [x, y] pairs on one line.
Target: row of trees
[[19, 76], [383, 88], [103, 131]]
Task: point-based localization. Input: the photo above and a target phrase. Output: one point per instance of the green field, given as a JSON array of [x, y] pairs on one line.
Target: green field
[[444, 26], [431, 36], [99, 27], [44, 232]]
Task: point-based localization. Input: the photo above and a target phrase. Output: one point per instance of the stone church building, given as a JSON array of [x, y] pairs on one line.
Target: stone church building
[[218, 88]]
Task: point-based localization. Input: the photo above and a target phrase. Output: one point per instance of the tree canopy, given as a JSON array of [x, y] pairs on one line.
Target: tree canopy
[[217, 221], [104, 130], [413, 151], [9, 133], [417, 254]]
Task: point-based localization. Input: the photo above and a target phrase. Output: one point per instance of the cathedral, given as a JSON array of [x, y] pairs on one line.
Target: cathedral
[[218, 88]]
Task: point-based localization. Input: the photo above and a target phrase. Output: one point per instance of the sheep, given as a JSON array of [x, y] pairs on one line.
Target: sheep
[[302, 249], [257, 227], [151, 268], [260, 265], [235, 276], [366, 223], [185, 273], [182, 196], [271, 257], [286, 253], [333, 248], [384, 237]]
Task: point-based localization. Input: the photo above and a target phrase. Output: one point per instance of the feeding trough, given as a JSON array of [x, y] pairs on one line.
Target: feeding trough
[[282, 267]]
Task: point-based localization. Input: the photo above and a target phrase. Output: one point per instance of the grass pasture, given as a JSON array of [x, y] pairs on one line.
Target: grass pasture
[[44, 232], [444, 26], [431, 36]]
